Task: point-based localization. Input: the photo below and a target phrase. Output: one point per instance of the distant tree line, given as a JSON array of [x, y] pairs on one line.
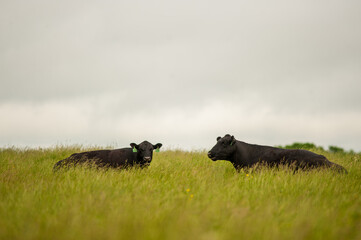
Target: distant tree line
[[309, 146]]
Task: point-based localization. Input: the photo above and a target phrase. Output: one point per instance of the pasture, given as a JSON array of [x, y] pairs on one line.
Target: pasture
[[182, 195]]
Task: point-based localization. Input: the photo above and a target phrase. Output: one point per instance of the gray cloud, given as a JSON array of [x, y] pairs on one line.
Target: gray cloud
[[147, 62]]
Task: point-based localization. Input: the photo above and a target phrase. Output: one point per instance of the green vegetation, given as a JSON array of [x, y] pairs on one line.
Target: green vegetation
[[312, 146], [183, 195], [335, 149], [298, 145]]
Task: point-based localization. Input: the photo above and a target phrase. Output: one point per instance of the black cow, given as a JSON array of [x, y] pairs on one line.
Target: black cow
[[244, 155], [139, 155]]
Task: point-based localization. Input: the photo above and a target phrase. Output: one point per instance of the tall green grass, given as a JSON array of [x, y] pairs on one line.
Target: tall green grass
[[182, 195]]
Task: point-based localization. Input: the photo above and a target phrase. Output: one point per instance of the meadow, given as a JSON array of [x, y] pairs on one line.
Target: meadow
[[182, 195]]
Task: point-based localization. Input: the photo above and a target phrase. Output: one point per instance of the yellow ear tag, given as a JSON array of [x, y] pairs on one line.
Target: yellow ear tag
[[135, 150]]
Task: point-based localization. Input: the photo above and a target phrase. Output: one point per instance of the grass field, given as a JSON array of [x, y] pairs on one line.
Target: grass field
[[183, 195]]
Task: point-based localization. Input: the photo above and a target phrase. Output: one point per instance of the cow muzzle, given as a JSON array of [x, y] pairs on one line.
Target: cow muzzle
[[147, 159], [211, 156]]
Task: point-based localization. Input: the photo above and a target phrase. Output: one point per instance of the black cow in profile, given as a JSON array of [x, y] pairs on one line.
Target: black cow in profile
[[139, 155], [244, 155]]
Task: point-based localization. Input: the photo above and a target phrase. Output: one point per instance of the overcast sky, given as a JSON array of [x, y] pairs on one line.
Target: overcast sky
[[180, 72]]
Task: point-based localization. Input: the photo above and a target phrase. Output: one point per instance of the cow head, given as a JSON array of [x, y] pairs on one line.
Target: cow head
[[145, 151], [224, 148]]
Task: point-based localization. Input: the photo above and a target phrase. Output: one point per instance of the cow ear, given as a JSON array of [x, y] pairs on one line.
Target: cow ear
[[133, 145], [218, 138], [233, 140], [157, 146]]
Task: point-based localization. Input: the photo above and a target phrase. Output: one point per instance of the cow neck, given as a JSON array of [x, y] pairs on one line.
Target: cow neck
[[237, 155], [233, 157], [138, 158]]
